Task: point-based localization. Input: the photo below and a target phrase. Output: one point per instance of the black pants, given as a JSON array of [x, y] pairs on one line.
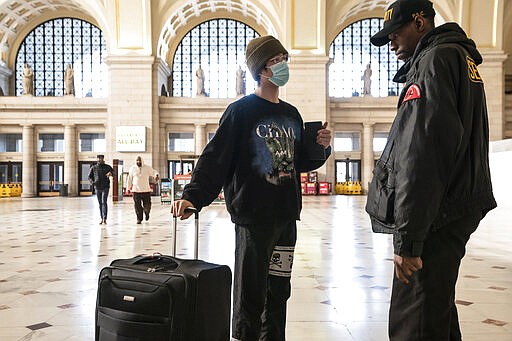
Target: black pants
[[424, 309], [261, 288], [142, 203]]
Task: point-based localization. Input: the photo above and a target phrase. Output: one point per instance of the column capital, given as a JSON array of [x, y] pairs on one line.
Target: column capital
[[137, 62], [299, 59], [493, 56]]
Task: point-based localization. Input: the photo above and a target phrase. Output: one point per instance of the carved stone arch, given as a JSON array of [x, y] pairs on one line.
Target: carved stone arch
[[193, 13], [20, 17], [341, 14]]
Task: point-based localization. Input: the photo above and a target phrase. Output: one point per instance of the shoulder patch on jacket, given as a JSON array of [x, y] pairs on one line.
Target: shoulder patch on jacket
[[413, 92], [473, 73]]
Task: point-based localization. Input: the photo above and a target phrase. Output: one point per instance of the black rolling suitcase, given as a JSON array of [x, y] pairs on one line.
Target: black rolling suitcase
[[163, 298]]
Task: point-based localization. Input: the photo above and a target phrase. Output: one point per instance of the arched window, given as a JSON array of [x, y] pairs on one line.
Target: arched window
[[351, 52], [218, 46], [51, 46]]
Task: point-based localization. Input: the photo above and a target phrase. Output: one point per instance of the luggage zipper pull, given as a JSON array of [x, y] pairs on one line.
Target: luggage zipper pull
[[159, 268]]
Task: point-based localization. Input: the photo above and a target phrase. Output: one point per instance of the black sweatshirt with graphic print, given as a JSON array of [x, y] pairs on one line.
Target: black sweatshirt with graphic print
[[256, 156]]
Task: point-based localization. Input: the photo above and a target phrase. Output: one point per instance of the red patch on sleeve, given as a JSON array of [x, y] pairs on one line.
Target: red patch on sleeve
[[413, 92]]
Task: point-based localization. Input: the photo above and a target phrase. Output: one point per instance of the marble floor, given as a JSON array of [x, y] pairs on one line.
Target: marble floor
[[51, 251]]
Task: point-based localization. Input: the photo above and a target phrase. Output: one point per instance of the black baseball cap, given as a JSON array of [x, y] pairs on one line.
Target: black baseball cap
[[400, 13]]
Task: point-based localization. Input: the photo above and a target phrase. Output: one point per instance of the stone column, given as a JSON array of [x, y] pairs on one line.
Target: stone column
[[29, 167], [310, 72], [492, 73], [70, 159], [200, 138], [164, 164], [368, 160], [133, 105]]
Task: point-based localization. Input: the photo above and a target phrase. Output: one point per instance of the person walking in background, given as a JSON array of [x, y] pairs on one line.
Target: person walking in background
[[99, 177], [431, 185], [256, 156], [139, 178]]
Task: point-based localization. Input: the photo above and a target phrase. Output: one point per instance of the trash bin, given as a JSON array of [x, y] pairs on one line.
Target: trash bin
[[63, 191]]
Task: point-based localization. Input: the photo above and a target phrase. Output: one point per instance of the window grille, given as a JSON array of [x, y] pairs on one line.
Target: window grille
[[379, 141], [11, 143], [181, 142], [51, 46], [217, 45], [92, 142], [351, 52], [51, 143], [346, 141]]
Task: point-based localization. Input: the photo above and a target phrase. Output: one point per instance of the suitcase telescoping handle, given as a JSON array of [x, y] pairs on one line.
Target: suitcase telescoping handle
[[196, 219]]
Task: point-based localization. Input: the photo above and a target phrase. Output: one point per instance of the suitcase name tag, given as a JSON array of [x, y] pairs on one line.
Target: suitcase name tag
[[128, 298]]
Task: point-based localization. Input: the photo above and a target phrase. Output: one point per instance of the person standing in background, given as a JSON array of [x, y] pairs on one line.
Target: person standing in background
[[99, 177], [138, 183]]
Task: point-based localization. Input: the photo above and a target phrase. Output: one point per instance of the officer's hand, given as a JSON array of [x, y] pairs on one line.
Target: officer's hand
[[406, 266], [178, 209]]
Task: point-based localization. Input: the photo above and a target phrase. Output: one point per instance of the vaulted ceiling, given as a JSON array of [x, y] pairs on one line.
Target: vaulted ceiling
[[16, 14]]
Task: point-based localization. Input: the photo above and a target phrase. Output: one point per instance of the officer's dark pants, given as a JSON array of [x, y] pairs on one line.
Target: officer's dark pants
[[261, 288], [142, 203], [424, 309]]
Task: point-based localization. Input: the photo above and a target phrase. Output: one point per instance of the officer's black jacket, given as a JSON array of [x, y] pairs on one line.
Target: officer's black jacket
[[435, 166]]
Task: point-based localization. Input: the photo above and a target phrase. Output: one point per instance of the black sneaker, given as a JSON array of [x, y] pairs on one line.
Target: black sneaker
[[139, 221], [147, 216]]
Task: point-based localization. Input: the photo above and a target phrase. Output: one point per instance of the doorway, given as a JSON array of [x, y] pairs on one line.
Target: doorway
[[50, 177], [10, 172], [84, 186], [348, 170], [180, 167]]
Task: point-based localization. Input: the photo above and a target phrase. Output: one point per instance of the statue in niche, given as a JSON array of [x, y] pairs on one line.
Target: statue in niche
[[163, 91], [367, 80], [69, 81], [240, 81], [28, 80], [200, 81], [169, 85]]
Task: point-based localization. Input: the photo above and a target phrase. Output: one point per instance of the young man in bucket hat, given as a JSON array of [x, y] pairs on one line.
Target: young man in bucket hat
[[257, 155], [431, 185]]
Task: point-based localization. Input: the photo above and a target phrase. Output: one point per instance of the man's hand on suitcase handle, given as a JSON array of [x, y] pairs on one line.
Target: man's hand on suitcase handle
[[179, 208]]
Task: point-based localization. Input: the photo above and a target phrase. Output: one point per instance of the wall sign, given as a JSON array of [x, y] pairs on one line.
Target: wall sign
[[131, 139]]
